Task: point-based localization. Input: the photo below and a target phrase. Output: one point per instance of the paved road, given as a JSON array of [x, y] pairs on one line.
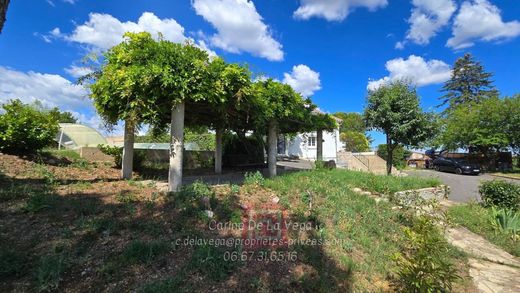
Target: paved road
[[464, 188]]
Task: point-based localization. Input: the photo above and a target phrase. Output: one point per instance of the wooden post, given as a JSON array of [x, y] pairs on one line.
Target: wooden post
[[319, 145], [218, 150], [127, 165], [176, 148], [272, 141]]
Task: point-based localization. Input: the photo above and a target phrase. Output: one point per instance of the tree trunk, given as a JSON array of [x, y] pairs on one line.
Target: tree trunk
[[319, 146], [390, 156], [127, 165], [218, 150], [272, 141], [176, 148], [3, 12]]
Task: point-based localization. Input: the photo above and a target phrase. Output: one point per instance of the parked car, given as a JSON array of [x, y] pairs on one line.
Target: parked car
[[459, 166]]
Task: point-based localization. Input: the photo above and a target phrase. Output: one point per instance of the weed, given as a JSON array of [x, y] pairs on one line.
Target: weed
[[81, 164], [209, 260], [49, 271], [254, 178], [163, 286], [12, 261], [505, 220], [40, 201], [144, 252]]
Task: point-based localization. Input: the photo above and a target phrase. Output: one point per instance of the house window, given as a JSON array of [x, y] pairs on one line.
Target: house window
[[311, 141]]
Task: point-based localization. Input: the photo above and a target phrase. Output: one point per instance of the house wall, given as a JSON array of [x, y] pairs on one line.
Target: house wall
[[299, 146]]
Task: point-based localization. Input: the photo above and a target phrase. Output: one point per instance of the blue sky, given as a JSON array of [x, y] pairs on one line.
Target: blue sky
[[326, 50]]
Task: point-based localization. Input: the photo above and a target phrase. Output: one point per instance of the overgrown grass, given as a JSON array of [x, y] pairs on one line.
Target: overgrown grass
[[366, 233], [479, 220], [345, 178]]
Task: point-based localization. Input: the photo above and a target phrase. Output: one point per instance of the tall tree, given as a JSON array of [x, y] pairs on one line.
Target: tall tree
[[394, 109], [3, 12], [469, 83], [355, 141], [512, 112], [351, 122]]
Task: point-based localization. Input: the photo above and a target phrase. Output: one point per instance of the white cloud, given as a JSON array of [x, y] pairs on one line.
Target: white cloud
[[51, 89], [78, 71], [428, 17], [303, 80], [415, 69], [103, 31], [240, 28], [480, 20], [334, 10]]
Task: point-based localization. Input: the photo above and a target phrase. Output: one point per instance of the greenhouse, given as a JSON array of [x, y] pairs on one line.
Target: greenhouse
[[73, 136]]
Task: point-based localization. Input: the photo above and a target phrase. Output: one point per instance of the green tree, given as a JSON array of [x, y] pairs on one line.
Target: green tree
[[62, 117], [394, 109], [351, 122], [355, 141], [399, 154], [469, 83], [512, 112], [125, 88], [25, 129], [483, 127]]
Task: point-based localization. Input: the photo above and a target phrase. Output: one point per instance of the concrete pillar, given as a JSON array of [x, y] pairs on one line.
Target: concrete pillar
[[218, 150], [272, 141], [176, 148], [319, 145], [127, 165]]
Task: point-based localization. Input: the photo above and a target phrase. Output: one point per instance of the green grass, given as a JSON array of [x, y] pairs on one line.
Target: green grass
[[345, 178], [478, 220], [49, 271], [369, 232], [67, 154]]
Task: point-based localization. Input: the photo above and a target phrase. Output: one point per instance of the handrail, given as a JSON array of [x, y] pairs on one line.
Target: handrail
[[364, 160]]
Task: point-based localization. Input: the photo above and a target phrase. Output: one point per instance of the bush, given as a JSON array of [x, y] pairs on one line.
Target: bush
[[500, 194], [26, 129], [254, 178], [49, 272], [117, 153], [425, 264]]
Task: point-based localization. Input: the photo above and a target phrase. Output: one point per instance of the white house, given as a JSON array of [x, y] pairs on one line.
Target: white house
[[304, 145]]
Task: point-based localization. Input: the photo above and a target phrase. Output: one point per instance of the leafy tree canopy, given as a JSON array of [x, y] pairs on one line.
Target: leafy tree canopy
[[355, 141], [469, 83], [26, 129], [394, 109], [351, 122]]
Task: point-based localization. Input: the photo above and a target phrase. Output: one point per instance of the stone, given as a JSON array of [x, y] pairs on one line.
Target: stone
[[275, 199], [210, 214]]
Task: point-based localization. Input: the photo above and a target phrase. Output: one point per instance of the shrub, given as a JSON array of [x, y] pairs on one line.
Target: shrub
[[501, 194], [424, 266], [117, 153], [26, 129], [254, 178]]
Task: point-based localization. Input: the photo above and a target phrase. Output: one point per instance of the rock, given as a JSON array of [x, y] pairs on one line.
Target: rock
[[210, 214], [330, 165], [275, 199], [357, 190], [367, 193], [244, 206]]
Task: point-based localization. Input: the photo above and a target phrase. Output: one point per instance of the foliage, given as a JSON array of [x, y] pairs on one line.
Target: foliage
[[469, 83], [198, 135], [49, 272], [210, 261], [12, 261], [25, 129], [500, 194], [248, 149], [483, 126], [481, 221], [399, 155], [144, 252], [4, 4], [117, 153], [425, 265], [394, 109], [351, 122], [512, 127], [254, 178], [356, 142], [506, 220], [62, 117]]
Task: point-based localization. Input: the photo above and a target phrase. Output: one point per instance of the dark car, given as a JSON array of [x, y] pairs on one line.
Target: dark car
[[458, 166]]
